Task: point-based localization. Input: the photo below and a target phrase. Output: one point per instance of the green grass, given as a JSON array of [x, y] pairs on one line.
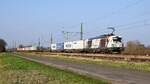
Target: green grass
[[15, 70], [140, 66]]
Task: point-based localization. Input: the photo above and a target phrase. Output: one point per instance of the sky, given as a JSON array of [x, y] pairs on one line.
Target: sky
[[28, 21]]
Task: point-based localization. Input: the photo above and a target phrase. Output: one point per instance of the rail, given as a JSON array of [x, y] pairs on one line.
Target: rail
[[134, 58]]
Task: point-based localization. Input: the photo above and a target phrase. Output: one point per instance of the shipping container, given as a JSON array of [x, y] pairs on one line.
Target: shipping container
[[78, 44], [60, 46], [57, 46], [81, 44], [53, 46], [33, 48], [68, 45]]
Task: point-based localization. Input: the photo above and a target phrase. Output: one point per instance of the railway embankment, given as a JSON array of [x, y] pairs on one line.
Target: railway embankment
[[120, 72], [116, 61]]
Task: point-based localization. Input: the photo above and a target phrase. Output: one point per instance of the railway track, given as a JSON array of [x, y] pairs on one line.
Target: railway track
[[134, 58]]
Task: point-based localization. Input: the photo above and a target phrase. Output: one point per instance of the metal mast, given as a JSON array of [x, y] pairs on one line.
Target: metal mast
[[68, 34], [81, 33], [51, 39]]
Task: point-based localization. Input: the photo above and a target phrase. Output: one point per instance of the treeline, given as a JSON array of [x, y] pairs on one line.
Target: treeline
[[136, 48], [2, 45]]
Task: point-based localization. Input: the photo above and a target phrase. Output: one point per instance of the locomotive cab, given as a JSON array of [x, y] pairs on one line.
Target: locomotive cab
[[115, 43]]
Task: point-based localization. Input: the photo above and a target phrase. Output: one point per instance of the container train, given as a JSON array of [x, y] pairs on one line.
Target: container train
[[108, 43], [28, 48]]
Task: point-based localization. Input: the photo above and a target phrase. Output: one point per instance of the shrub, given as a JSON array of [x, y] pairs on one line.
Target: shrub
[[135, 48], [2, 45]]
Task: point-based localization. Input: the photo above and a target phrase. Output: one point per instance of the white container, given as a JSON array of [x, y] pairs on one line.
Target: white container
[[78, 44], [33, 48], [68, 45], [81, 44], [53, 46]]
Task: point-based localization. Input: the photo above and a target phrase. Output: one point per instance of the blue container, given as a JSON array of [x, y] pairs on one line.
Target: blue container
[[60, 46]]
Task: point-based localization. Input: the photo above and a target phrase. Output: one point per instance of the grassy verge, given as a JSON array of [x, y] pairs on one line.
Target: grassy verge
[[15, 70], [140, 66]]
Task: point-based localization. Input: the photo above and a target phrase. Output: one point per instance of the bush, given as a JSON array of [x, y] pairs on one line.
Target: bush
[[136, 48], [2, 45]]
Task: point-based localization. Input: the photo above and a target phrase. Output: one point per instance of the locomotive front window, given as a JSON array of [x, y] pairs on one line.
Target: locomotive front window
[[117, 39]]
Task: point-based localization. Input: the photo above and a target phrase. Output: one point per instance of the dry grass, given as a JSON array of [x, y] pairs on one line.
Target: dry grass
[[22, 77]]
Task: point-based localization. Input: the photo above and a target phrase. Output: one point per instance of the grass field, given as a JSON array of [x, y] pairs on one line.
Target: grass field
[[15, 70]]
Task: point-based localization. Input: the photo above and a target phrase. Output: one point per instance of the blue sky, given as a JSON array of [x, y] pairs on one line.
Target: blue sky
[[25, 21]]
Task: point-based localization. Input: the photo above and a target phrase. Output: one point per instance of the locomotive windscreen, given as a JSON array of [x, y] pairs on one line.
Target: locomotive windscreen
[[117, 39]]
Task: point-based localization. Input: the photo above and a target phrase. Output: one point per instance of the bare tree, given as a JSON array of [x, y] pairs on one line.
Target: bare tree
[[2, 45], [134, 48]]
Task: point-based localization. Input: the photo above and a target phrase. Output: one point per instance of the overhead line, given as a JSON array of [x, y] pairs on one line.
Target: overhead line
[[124, 26], [133, 23], [117, 11], [136, 26]]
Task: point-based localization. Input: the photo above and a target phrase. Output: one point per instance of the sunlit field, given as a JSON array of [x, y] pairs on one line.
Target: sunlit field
[[15, 70]]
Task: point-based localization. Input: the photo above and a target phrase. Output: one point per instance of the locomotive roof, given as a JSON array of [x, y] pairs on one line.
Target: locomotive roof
[[101, 36]]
